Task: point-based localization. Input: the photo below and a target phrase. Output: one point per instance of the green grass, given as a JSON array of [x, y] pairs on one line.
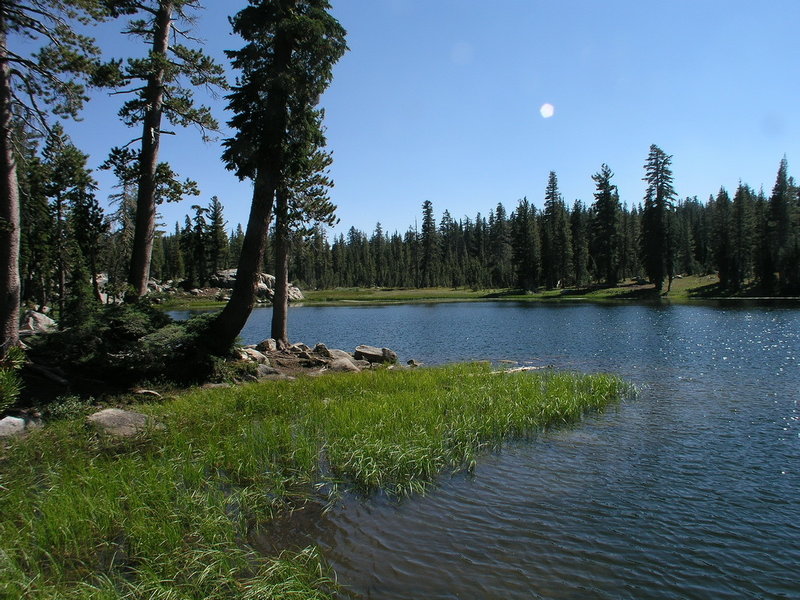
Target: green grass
[[167, 515], [685, 289]]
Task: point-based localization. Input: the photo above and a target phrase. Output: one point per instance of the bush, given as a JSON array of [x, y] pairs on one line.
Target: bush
[[129, 343]]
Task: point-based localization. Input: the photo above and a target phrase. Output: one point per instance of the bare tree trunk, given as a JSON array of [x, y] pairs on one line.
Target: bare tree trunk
[[233, 317], [144, 230], [9, 211], [280, 298]]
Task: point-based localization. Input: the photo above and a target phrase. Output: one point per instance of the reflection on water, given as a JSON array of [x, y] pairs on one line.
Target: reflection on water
[[689, 490]]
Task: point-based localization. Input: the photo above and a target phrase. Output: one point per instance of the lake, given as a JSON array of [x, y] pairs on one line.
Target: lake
[[691, 489]]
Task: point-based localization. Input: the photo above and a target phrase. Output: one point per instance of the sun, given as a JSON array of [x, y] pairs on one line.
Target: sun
[[547, 110]]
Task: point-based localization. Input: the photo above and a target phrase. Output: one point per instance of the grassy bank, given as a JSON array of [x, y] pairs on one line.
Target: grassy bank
[[167, 515]]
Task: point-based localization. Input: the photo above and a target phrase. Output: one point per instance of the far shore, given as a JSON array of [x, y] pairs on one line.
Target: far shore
[[688, 289]]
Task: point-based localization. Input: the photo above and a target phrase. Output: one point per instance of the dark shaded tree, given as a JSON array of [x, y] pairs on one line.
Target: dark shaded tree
[[526, 245], [579, 229], [657, 237], [605, 227], [556, 237]]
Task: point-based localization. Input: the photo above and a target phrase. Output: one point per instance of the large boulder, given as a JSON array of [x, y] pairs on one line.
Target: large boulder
[[11, 426], [372, 354], [121, 423], [35, 322]]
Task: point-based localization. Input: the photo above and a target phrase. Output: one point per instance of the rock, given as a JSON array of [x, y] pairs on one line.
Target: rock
[[121, 423], [11, 426], [265, 371], [151, 393], [414, 363], [213, 386], [267, 345], [194, 292], [322, 350], [363, 364], [255, 356], [299, 348], [343, 365], [35, 322], [335, 353], [375, 355]]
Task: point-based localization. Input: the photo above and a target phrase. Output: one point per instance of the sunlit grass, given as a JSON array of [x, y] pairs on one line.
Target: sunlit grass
[[167, 515]]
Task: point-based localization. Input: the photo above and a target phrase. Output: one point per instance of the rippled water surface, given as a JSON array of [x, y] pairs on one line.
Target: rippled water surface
[[689, 490]]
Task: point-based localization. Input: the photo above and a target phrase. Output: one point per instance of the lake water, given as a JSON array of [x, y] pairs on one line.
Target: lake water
[[689, 490]]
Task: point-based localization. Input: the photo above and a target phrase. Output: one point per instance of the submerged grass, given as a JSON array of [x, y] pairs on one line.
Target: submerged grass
[[167, 515]]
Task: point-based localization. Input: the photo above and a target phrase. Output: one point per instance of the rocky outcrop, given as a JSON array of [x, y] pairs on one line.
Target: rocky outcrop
[[302, 359], [35, 322], [266, 284]]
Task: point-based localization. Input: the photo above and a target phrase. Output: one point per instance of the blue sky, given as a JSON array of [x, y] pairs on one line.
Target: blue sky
[[439, 100]]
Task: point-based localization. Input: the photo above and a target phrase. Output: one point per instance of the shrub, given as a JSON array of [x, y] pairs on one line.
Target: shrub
[[10, 382], [129, 343]]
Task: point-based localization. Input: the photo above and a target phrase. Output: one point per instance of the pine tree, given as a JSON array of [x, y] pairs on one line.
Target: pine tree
[[49, 78], [526, 245], [556, 237], [657, 237], [430, 251], [217, 237], [36, 225], [605, 227], [779, 231], [721, 210], [579, 228], [69, 187], [742, 236], [235, 247], [285, 65], [162, 94]]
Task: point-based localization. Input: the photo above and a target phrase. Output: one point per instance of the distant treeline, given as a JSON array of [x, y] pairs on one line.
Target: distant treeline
[[748, 239]]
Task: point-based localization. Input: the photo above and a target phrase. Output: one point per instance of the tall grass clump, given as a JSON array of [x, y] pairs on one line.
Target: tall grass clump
[[168, 514]]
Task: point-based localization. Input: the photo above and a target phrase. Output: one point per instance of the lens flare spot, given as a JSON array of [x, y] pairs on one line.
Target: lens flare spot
[[547, 110]]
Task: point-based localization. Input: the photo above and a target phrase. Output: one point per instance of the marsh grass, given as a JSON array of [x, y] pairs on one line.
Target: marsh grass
[[167, 515]]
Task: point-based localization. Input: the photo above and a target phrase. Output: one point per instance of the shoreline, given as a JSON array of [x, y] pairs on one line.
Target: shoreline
[[687, 290]]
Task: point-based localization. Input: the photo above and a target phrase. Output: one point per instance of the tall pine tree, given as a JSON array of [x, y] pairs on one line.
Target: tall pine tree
[[657, 240]]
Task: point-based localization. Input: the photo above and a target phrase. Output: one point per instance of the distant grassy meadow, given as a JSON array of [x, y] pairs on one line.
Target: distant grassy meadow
[[684, 289], [168, 514]]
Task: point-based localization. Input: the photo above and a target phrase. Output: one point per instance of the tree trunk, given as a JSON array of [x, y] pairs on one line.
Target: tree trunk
[[144, 230], [226, 327], [9, 211], [223, 331], [280, 299]]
